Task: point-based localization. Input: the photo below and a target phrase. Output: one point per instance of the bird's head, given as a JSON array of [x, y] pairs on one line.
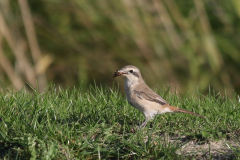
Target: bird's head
[[131, 73]]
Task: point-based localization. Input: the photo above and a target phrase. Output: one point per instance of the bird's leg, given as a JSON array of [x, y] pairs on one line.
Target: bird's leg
[[145, 122]]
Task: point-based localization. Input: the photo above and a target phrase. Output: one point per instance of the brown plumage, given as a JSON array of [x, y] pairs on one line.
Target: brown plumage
[[143, 98], [180, 110]]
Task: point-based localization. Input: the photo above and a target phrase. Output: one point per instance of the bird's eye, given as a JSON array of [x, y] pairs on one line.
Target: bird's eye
[[131, 71]]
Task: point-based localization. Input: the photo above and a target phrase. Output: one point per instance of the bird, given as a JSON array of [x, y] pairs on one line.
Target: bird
[[142, 97]]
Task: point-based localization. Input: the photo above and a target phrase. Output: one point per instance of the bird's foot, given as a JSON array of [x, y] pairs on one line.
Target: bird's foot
[[143, 124]]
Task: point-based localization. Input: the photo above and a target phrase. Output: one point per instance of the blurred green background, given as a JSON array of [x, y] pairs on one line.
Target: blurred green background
[[185, 44]]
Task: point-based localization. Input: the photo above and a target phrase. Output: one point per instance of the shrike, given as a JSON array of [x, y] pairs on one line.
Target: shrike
[[143, 98]]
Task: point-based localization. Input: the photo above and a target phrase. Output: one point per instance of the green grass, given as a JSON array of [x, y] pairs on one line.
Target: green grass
[[100, 124]]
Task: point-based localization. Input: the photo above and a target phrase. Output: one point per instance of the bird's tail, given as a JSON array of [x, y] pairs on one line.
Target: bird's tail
[[186, 111]]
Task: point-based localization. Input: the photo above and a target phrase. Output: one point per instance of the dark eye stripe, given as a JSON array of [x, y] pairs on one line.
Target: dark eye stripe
[[136, 74]]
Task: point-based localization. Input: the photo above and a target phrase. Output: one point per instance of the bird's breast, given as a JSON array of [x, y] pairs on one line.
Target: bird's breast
[[135, 101], [131, 97]]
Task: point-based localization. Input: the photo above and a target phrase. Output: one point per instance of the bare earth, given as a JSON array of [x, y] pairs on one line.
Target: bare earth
[[216, 150]]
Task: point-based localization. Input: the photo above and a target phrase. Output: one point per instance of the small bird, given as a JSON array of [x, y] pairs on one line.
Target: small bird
[[143, 98]]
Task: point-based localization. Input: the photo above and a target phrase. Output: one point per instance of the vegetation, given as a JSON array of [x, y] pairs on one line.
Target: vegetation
[[100, 124], [181, 43], [73, 43]]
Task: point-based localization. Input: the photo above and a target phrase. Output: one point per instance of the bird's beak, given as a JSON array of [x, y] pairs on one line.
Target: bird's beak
[[118, 73]]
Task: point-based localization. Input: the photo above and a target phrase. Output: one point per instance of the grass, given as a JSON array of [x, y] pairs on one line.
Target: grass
[[186, 43], [100, 124]]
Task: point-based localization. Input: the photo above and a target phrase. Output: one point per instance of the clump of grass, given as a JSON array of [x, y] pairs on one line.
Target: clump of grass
[[69, 124]]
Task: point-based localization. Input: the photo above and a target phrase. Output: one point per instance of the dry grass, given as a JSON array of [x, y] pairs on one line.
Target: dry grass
[[181, 43]]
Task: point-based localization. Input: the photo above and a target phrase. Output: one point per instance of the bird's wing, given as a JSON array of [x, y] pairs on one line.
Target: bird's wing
[[152, 96]]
